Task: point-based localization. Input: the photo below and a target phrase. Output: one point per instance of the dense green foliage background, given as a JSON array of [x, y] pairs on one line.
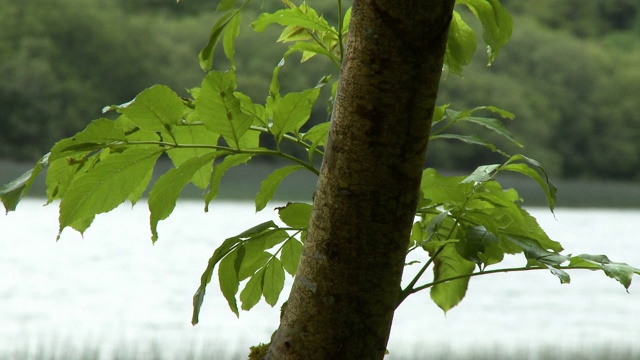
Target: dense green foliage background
[[571, 74]]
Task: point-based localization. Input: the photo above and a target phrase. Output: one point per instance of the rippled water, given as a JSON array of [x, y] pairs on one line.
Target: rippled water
[[114, 287]]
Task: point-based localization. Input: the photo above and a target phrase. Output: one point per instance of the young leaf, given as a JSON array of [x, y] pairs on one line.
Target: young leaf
[[496, 23], [231, 32], [290, 255], [449, 264], [157, 108], [165, 192], [252, 291], [228, 279], [461, 44], [270, 184], [273, 281], [295, 215], [13, 192], [206, 54], [303, 17], [194, 135], [219, 109], [99, 134], [107, 185], [292, 111], [621, 272], [469, 139], [534, 170], [318, 134], [219, 171]]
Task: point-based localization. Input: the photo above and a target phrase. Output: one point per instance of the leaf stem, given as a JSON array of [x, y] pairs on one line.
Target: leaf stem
[[171, 145], [486, 272]]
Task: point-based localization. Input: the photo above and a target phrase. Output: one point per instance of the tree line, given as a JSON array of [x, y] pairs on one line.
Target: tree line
[[570, 83]]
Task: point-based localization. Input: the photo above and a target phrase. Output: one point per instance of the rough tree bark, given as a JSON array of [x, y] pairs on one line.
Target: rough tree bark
[[343, 298]]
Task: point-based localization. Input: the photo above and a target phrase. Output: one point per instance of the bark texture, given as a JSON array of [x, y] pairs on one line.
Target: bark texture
[[346, 289]]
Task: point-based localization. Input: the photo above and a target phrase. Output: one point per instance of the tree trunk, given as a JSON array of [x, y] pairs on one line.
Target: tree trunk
[[346, 290]]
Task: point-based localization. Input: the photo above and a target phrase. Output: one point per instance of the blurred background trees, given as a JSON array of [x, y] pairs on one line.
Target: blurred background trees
[[571, 75]]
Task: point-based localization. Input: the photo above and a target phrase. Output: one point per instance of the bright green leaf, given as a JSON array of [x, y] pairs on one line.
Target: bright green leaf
[[273, 282], [219, 171], [13, 192], [270, 184], [194, 135], [461, 44], [157, 108], [252, 291], [231, 32], [99, 134], [447, 265], [496, 23], [219, 109], [165, 192], [228, 279], [107, 185], [290, 255], [292, 111], [469, 139], [295, 215], [293, 17], [318, 134]]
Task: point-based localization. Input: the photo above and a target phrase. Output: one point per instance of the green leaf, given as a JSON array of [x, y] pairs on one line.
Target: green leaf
[[461, 44], [219, 171], [439, 114], [165, 192], [444, 189], [534, 170], [99, 134], [60, 174], [225, 5], [107, 185], [318, 134], [533, 251], [219, 109], [229, 281], [194, 135], [469, 139], [248, 262], [252, 291], [290, 255], [304, 17], [447, 265], [621, 272], [227, 272], [273, 281], [496, 23], [494, 125], [157, 108], [295, 215], [292, 111], [309, 50], [206, 54], [482, 174], [270, 184], [13, 192], [231, 32]]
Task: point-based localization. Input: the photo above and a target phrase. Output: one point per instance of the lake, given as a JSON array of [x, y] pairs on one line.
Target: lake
[[114, 288]]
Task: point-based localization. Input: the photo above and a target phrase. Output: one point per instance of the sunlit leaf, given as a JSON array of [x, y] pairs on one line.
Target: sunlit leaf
[[252, 291], [295, 215], [99, 134], [157, 108], [290, 255], [107, 185], [293, 17], [192, 136], [273, 281], [469, 139], [219, 171], [165, 192], [270, 184], [231, 32], [292, 111]]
